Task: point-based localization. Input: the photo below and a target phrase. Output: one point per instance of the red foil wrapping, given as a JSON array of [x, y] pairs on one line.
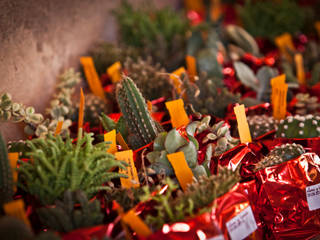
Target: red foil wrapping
[[283, 202], [96, 232]]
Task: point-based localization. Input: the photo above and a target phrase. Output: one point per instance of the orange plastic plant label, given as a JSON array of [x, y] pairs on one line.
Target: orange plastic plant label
[[81, 109], [285, 44], [191, 65], [111, 137], [114, 71], [131, 171], [177, 113], [92, 76], [136, 224], [149, 105], [181, 169], [13, 158], [215, 10], [16, 209], [298, 59], [317, 27], [280, 101], [197, 5], [175, 76], [121, 141], [243, 127], [281, 79], [58, 128]]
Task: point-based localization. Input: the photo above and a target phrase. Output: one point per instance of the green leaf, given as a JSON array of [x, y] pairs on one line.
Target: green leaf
[[174, 141]]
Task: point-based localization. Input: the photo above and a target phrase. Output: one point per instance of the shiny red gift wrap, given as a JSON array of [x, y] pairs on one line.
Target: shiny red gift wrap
[[95, 232], [283, 201]]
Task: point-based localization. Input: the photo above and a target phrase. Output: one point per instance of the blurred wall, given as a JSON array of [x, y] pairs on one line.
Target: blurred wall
[[41, 38]]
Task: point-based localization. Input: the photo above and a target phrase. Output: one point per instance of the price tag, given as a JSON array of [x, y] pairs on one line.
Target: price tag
[[243, 127], [242, 225], [16, 209], [81, 110], [281, 79], [284, 43], [298, 59], [58, 128], [181, 169], [191, 66], [177, 113], [136, 224], [114, 71], [92, 76], [313, 196], [175, 76], [317, 26], [111, 137], [13, 158], [121, 141], [131, 171], [280, 101]]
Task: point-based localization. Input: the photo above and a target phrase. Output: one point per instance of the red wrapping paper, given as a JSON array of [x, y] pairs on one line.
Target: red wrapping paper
[[282, 201], [96, 232]]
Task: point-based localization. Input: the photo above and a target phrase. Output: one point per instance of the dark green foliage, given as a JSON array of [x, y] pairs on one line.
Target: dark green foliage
[[269, 19], [157, 33], [56, 166], [120, 126], [65, 216], [142, 127], [12, 228], [280, 154], [6, 179]]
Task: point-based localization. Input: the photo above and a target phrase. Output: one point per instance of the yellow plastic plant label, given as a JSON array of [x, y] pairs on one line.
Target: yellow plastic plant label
[[131, 171], [114, 71], [284, 43], [16, 209], [111, 137], [175, 76], [181, 169], [243, 127], [177, 113], [58, 128], [281, 79], [191, 66], [317, 27], [215, 10], [92, 76], [136, 224], [280, 101], [121, 141], [81, 109], [13, 158], [298, 59]]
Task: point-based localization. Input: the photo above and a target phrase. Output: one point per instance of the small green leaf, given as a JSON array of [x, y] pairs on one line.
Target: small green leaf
[[174, 141], [158, 144]]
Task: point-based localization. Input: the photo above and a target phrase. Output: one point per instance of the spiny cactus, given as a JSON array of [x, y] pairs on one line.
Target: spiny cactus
[[279, 154], [12, 228], [108, 124], [174, 205], [152, 80], [142, 127], [56, 165], [306, 104], [206, 97], [6, 178], [65, 216], [260, 124], [299, 127]]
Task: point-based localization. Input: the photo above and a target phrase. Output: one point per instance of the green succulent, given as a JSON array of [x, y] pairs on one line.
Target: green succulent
[[65, 216], [306, 104], [260, 124], [56, 165]]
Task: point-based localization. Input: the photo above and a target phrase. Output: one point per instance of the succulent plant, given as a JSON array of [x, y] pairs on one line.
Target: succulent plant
[[260, 124], [174, 205], [143, 129], [280, 154], [6, 178], [206, 97], [306, 104], [65, 216], [12, 228], [315, 74], [159, 33], [299, 127], [56, 166], [264, 75], [152, 80]]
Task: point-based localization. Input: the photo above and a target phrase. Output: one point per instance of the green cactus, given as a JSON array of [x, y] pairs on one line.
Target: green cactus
[[280, 154], [56, 166], [142, 127], [65, 216], [299, 127], [306, 104], [260, 124], [108, 124], [6, 178], [12, 228]]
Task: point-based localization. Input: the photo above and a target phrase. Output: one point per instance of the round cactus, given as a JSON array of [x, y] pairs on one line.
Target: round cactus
[[299, 127], [260, 124]]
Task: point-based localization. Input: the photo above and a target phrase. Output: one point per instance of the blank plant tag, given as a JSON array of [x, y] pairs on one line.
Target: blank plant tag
[[81, 109], [279, 107], [243, 127], [111, 137], [136, 224], [92, 76], [191, 66], [175, 76], [58, 128], [242, 225], [177, 113], [181, 169], [285, 44], [131, 171], [298, 59], [114, 71], [13, 158], [313, 196], [16, 209]]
